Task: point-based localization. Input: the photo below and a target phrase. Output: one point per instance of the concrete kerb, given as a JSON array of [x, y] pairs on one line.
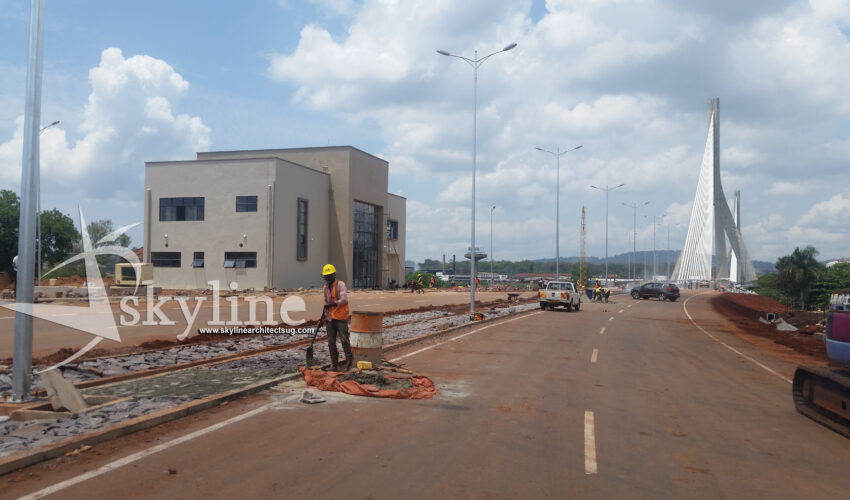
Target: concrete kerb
[[31, 457]]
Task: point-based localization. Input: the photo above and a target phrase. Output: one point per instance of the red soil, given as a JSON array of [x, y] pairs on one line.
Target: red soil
[[745, 310]]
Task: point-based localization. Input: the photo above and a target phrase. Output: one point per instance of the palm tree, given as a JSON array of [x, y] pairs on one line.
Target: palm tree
[[798, 271]]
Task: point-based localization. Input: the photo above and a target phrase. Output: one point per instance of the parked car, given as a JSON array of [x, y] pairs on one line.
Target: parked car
[[560, 293], [662, 291]]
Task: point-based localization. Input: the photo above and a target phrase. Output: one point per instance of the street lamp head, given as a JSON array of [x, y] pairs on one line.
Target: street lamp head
[[594, 187], [539, 149], [621, 185], [443, 53], [577, 147], [509, 47]]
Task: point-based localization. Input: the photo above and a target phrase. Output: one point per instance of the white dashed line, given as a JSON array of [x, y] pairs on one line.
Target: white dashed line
[[589, 444], [620, 311], [602, 331], [594, 355], [611, 318]]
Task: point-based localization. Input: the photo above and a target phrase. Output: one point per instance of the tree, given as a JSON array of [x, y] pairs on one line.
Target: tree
[[59, 237], [100, 228], [799, 271], [10, 209]]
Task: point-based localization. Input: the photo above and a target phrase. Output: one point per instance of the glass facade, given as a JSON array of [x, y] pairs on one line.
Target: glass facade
[[366, 245]]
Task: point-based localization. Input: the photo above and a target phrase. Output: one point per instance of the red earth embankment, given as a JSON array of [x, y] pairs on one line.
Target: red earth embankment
[[744, 311]]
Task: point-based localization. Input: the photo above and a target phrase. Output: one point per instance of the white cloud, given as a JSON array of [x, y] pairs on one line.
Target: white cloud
[[128, 119], [830, 213], [628, 80]]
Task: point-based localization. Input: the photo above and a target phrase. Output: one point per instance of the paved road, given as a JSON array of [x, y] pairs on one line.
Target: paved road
[[625, 400], [50, 337]]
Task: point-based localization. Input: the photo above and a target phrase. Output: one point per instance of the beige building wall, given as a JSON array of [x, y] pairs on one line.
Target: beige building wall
[[270, 231], [354, 176], [394, 249]]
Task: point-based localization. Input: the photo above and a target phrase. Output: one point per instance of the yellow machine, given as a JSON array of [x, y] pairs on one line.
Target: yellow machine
[[126, 273]]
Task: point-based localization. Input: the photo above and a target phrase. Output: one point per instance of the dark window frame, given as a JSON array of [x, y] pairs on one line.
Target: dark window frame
[[392, 229], [166, 259], [301, 227], [246, 203], [181, 209], [240, 260], [198, 259]]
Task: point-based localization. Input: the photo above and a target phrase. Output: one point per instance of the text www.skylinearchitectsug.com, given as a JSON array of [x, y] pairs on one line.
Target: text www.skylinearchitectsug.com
[[252, 330]]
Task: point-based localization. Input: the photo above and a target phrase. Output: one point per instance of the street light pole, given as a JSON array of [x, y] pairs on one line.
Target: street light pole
[[475, 63], [491, 244], [558, 154], [654, 260], [634, 208], [606, 189], [38, 209], [22, 355]]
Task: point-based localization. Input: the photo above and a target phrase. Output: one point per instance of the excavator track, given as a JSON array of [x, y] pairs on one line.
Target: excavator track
[[823, 395]]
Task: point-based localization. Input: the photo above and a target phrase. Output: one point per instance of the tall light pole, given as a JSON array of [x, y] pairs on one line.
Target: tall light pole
[[654, 260], [491, 244], [558, 154], [606, 189], [475, 63], [38, 209], [22, 355], [634, 208]]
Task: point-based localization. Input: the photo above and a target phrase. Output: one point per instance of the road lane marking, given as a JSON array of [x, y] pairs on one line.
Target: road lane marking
[[724, 344], [460, 337], [629, 305], [620, 311], [611, 318], [594, 355], [602, 331], [142, 454], [589, 444]]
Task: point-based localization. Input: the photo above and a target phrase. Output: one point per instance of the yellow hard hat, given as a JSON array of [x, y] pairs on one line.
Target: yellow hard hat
[[328, 269]]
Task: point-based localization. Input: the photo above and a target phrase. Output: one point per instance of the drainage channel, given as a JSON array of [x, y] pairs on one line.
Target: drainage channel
[[153, 392]]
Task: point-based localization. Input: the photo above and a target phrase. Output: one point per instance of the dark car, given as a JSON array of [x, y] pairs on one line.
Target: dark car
[[662, 291]]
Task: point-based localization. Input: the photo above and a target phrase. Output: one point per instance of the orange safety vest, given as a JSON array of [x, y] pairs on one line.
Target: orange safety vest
[[338, 312]]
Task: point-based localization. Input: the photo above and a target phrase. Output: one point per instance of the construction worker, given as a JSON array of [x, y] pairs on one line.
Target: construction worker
[[419, 280], [15, 272], [336, 305], [431, 285]]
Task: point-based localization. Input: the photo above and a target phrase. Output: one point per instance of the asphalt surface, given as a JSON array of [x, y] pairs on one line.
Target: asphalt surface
[[626, 400]]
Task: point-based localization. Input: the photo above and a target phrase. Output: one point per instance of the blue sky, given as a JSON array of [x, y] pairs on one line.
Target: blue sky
[[136, 82]]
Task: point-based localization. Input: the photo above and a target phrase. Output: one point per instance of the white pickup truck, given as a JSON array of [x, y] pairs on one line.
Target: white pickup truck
[[560, 293]]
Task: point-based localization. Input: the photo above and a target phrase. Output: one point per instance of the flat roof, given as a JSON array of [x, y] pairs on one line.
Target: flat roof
[[272, 151]]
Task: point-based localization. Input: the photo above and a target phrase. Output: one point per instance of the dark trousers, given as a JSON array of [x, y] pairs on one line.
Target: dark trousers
[[14, 279], [338, 328]]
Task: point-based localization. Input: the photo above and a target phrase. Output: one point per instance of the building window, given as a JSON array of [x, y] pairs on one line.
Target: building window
[[302, 229], [392, 229], [198, 259], [367, 229], [240, 260], [165, 259], [246, 203], [181, 209]]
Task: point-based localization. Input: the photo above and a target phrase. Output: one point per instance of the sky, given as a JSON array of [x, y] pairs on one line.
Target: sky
[[628, 80]]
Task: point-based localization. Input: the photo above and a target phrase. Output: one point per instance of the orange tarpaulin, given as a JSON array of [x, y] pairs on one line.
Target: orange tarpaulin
[[423, 387]]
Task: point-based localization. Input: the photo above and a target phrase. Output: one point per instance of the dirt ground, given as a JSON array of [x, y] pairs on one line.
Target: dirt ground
[[744, 311]]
